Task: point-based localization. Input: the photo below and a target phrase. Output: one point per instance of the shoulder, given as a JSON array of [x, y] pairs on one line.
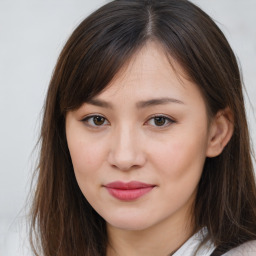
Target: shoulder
[[246, 249]]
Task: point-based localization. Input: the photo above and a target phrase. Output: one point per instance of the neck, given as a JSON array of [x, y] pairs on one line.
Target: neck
[[162, 239]]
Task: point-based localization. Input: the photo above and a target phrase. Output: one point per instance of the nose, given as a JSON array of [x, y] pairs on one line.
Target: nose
[[126, 150]]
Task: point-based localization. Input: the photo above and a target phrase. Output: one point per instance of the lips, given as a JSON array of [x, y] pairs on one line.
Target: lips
[[128, 191]]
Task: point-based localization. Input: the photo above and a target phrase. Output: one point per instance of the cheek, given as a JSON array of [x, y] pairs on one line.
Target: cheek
[[181, 157], [85, 155], [85, 164], [87, 159], [179, 165]]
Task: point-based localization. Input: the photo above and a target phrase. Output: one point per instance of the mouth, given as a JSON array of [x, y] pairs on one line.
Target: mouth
[[128, 191]]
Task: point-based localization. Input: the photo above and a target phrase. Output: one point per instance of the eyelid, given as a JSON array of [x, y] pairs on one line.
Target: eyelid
[[170, 120], [87, 117]]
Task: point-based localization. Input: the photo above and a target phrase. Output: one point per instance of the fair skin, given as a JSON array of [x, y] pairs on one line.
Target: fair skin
[[149, 125]]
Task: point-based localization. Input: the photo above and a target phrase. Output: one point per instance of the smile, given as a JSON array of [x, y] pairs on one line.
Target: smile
[[128, 191]]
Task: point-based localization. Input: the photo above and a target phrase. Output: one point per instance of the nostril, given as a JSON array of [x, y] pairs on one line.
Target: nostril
[[126, 161]]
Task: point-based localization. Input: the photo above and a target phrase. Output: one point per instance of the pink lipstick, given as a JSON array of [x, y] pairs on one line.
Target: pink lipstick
[[128, 191]]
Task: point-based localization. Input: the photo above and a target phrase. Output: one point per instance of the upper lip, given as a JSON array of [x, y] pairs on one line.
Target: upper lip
[[128, 185]]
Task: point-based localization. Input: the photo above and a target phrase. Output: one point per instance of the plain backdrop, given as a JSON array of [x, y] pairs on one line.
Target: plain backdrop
[[32, 34]]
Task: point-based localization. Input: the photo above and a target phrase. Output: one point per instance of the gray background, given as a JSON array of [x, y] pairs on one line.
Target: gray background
[[32, 33]]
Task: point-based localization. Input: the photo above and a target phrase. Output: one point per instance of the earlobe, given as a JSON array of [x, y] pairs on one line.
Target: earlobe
[[220, 132]]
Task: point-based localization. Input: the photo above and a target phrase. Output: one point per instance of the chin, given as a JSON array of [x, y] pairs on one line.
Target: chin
[[131, 223]]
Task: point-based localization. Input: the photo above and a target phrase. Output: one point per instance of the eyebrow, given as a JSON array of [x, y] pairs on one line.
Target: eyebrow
[[157, 101], [140, 104], [99, 103]]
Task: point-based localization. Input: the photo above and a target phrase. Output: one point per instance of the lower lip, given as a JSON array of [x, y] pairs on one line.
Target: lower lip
[[128, 194]]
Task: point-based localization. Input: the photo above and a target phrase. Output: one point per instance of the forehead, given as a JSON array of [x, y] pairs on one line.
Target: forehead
[[151, 73]]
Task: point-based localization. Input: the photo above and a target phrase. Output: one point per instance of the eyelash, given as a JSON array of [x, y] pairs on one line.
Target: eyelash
[[87, 120], [167, 121]]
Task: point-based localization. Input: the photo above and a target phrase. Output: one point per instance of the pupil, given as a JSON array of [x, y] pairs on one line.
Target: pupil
[[159, 121], [98, 120]]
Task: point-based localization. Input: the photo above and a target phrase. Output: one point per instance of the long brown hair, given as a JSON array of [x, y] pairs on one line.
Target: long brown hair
[[63, 222]]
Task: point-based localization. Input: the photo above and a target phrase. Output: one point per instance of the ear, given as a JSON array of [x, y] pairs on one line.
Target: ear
[[220, 132]]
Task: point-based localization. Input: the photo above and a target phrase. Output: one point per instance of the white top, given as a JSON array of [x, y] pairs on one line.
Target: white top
[[190, 246]]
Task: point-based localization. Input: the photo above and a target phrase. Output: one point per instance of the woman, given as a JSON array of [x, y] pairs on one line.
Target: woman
[[144, 145]]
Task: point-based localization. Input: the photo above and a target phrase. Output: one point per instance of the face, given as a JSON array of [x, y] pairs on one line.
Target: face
[[139, 147]]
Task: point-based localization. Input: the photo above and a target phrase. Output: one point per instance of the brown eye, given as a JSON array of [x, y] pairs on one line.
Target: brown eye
[[159, 120], [98, 120], [95, 121]]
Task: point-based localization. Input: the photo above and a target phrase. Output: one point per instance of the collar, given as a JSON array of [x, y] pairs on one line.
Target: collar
[[191, 245]]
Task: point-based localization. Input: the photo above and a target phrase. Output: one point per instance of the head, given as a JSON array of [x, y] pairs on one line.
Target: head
[[98, 62]]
